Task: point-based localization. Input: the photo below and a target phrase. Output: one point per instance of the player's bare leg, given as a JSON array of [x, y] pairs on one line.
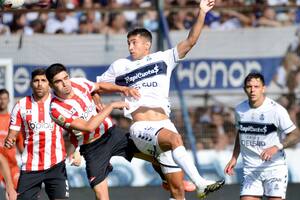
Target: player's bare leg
[[275, 198], [169, 140], [175, 182], [101, 190], [250, 198]]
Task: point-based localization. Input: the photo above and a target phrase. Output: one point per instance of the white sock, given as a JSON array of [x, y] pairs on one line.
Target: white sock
[[182, 159]]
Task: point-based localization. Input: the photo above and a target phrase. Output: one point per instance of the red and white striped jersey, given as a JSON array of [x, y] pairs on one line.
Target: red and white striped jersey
[[81, 105], [43, 140]]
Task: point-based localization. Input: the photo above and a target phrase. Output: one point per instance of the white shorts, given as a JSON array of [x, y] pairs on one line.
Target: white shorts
[[144, 134], [271, 182]]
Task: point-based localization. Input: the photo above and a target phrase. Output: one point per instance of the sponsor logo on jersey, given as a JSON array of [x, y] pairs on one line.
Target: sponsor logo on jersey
[[253, 143], [87, 113], [150, 84], [41, 126], [141, 74], [254, 128]]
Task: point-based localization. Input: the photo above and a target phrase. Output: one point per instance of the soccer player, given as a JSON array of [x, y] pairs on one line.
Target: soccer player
[[262, 124], [4, 170], [43, 158], [73, 108], [152, 131], [9, 154]]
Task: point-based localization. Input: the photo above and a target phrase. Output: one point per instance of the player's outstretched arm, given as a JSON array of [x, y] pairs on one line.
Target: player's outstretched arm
[[104, 87], [94, 122], [186, 45], [4, 169]]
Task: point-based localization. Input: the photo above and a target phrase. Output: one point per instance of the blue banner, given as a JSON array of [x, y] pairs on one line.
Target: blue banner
[[193, 74], [223, 74]]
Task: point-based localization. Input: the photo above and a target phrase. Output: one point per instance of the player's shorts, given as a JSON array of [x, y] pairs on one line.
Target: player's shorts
[[144, 134], [271, 182], [54, 178], [115, 142]]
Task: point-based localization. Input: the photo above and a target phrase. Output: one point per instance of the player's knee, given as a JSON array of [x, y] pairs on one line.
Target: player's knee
[[101, 191], [176, 141]]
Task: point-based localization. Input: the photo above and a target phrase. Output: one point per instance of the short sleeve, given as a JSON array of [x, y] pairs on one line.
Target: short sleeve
[[237, 119], [285, 124], [61, 116], [15, 118], [82, 82], [171, 57], [108, 76]]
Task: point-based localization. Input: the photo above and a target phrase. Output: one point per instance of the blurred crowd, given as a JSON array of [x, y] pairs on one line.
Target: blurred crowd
[[213, 126], [247, 13]]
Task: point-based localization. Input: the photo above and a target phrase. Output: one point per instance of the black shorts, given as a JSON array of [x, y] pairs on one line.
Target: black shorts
[[54, 178], [115, 142]]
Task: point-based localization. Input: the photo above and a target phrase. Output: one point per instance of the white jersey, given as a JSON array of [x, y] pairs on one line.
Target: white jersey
[[150, 75], [260, 128]]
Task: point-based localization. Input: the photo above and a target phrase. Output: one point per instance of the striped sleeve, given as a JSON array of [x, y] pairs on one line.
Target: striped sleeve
[[60, 114], [15, 118], [88, 85]]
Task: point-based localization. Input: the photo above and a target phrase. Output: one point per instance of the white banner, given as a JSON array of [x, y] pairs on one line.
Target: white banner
[[93, 50], [141, 173]]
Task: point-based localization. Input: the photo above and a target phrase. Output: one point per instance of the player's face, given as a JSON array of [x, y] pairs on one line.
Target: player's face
[[138, 47], [62, 84], [255, 91], [4, 100], [40, 86]]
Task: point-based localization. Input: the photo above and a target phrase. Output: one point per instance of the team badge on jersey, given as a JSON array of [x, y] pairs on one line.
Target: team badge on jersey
[[262, 117], [61, 120]]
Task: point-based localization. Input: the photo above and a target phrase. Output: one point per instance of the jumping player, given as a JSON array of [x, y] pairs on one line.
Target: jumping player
[[152, 131]]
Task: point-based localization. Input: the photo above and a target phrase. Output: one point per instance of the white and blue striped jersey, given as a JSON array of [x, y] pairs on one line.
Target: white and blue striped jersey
[[150, 75], [260, 128]]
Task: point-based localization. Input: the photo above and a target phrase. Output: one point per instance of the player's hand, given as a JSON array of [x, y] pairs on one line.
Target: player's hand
[[75, 159], [267, 153], [206, 5], [119, 105], [11, 193], [229, 169], [97, 100], [131, 92], [77, 133], [9, 142]]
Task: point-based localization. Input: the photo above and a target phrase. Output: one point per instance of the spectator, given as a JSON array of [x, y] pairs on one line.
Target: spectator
[[116, 24], [19, 26], [220, 138], [62, 22], [176, 20], [4, 29], [268, 18]]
